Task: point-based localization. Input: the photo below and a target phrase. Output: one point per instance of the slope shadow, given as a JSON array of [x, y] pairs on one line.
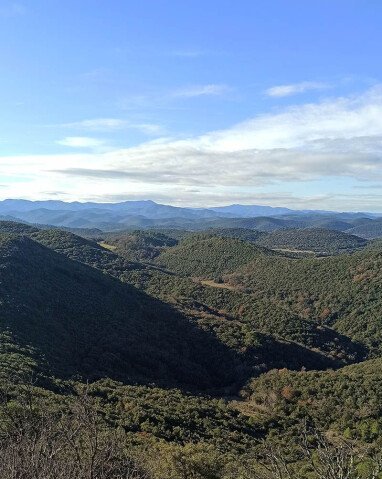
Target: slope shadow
[[87, 324]]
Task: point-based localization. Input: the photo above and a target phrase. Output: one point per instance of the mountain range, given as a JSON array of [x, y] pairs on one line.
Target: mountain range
[[148, 214]]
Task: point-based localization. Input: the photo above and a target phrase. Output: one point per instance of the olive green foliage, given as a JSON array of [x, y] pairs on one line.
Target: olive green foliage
[[83, 322], [200, 356], [316, 240], [243, 234], [340, 291], [209, 256], [140, 245], [237, 316], [347, 400], [84, 250]]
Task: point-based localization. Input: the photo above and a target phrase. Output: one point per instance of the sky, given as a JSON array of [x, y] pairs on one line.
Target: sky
[[193, 103]]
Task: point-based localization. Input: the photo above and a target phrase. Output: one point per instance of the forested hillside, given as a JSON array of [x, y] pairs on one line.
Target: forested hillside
[[316, 240], [369, 230], [273, 355], [209, 255], [83, 323]]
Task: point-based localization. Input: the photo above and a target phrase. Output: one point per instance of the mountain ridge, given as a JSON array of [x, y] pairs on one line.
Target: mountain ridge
[[150, 215], [234, 210]]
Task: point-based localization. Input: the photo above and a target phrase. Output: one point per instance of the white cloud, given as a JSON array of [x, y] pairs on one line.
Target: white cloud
[[295, 88], [113, 124], [97, 124], [201, 90], [80, 142], [338, 138]]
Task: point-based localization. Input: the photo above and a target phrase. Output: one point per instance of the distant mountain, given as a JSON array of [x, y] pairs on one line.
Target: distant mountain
[[250, 211], [148, 209], [262, 223], [148, 214]]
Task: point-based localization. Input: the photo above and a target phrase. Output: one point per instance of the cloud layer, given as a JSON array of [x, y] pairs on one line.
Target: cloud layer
[[336, 138], [333, 138]]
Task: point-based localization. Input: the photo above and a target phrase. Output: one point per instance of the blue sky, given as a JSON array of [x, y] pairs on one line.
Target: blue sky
[[192, 103]]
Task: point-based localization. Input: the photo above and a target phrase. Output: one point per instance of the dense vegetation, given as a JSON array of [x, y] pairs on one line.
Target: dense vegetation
[[82, 322], [207, 255], [370, 229], [139, 245], [176, 355], [316, 240]]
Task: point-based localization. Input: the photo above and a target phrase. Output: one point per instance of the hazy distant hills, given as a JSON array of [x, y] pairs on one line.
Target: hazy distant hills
[[369, 229], [148, 214], [249, 211], [146, 208]]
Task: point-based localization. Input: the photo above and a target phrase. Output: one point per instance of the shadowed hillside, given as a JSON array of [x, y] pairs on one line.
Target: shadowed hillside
[[82, 322]]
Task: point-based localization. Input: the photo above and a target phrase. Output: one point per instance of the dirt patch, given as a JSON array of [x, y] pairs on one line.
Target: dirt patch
[[212, 284], [110, 247]]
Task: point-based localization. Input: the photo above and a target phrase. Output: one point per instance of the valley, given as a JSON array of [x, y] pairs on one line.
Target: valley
[[211, 346]]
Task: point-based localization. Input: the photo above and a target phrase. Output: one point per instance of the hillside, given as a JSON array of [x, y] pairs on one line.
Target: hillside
[[369, 230], [268, 335], [341, 291], [258, 307], [208, 256], [74, 247], [248, 322], [317, 240], [347, 400], [81, 322], [243, 234], [255, 351], [244, 337], [139, 245], [253, 315], [17, 228]]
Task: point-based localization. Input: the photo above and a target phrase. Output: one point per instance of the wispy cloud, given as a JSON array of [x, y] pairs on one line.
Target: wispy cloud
[[12, 10], [295, 88], [97, 124], [80, 142], [201, 90], [112, 124]]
